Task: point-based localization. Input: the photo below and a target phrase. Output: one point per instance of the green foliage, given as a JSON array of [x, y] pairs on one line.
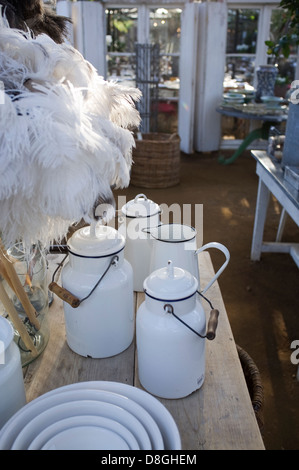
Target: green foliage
[[122, 26], [290, 31]]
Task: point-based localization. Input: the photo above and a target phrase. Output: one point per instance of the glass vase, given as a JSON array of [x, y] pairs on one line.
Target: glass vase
[[31, 268]]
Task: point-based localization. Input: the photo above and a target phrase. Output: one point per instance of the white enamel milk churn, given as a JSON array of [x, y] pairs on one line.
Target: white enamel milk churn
[[97, 289], [139, 214], [171, 334], [12, 390], [178, 243]]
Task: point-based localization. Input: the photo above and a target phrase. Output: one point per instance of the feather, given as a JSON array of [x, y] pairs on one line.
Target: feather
[[65, 138], [35, 15]]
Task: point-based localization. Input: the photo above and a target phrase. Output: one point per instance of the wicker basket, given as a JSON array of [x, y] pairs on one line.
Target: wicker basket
[[254, 384], [156, 161]]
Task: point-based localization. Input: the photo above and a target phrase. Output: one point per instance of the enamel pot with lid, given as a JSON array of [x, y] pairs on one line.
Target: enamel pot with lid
[[171, 334], [97, 286], [177, 242], [138, 215]]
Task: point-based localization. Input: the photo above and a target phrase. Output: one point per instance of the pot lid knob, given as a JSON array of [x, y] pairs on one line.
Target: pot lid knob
[[170, 269], [170, 283], [140, 206]]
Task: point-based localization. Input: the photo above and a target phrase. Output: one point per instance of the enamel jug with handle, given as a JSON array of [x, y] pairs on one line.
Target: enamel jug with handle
[[178, 243], [138, 214], [97, 289], [171, 334]]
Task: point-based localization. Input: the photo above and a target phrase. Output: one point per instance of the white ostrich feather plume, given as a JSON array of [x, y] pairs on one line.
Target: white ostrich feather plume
[[65, 138]]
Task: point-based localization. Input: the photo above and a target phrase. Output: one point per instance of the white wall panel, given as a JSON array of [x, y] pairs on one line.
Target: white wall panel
[[90, 33], [210, 75]]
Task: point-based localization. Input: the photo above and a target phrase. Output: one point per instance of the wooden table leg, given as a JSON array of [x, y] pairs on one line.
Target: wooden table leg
[[281, 226], [259, 221]]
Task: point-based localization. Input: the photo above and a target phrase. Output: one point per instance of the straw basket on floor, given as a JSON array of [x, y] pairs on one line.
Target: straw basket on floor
[[156, 161], [254, 384]]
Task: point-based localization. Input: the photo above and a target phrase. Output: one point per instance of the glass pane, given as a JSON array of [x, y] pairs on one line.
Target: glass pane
[[240, 62], [121, 29], [169, 68], [242, 31], [239, 70], [165, 29], [121, 68], [239, 74]]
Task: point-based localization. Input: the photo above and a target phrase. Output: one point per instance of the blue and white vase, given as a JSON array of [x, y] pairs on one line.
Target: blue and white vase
[[266, 77]]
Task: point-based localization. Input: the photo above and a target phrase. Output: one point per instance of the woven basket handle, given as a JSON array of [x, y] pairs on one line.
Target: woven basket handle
[[173, 136]]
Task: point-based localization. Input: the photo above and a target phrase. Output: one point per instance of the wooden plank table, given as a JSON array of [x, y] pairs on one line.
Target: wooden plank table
[[218, 416], [271, 181]]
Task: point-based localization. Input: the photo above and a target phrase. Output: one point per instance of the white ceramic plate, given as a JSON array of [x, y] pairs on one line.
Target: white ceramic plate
[[105, 396], [155, 408], [48, 433], [126, 403], [163, 418], [271, 99], [86, 438], [38, 422]]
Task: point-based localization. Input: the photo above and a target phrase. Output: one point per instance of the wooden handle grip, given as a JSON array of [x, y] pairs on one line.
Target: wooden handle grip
[[64, 295], [212, 324]]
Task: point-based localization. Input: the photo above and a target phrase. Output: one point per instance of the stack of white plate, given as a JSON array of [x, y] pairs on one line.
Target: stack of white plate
[[234, 98], [272, 100], [96, 415]]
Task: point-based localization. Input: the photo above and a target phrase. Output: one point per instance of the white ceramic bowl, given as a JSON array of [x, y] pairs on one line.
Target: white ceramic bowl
[[86, 438], [45, 436], [39, 422], [272, 101], [234, 98], [152, 405]]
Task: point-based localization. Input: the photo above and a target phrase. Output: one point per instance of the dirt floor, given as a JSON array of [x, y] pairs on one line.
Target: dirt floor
[[261, 297]]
